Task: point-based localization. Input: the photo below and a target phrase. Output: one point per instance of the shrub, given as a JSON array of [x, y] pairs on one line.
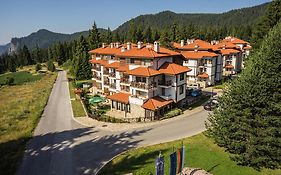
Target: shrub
[[173, 113], [38, 67], [10, 80]]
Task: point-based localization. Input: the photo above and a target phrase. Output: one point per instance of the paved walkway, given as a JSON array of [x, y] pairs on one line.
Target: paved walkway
[[62, 146]]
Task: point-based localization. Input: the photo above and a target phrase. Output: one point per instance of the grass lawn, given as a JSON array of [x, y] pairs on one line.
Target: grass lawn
[[21, 107], [200, 152], [19, 77], [78, 110]]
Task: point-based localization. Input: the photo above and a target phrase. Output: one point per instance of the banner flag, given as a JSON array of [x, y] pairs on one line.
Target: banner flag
[[179, 160], [173, 163], [159, 165]]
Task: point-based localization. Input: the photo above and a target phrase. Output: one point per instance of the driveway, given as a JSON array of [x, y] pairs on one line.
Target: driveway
[[62, 146]]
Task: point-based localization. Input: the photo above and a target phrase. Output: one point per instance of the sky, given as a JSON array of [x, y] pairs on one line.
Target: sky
[[19, 18]]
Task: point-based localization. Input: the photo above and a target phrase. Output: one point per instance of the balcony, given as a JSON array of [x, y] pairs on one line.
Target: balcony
[[105, 72], [112, 86], [125, 81], [112, 74], [165, 83], [166, 96], [96, 77], [125, 88], [106, 83], [142, 85], [139, 96]]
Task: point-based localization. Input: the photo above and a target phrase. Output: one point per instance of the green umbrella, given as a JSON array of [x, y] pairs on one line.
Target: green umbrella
[[95, 100]]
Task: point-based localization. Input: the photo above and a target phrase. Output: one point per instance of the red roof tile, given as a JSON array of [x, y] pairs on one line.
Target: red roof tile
[[198, 54], [147, 52], [229, 51], [203, 75], [120, 97], [156, 103], [114, 65], [235, 40], [144, 72], [173, 69], [226, 45], [197, 44], [123, 68]]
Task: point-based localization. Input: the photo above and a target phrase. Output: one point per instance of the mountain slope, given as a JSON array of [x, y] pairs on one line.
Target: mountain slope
[[45, 38], [245, 16]]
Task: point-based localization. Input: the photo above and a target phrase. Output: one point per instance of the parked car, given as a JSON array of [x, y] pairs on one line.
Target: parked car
[[211, 104], [196, 92]]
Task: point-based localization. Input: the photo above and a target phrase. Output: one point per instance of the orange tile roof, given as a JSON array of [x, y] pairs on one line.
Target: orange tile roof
[[226, 45], [197, 44], [198, 54], [229, 51], [156, 103], [173, 69], [120, 97], [123, 68], [203, 75], [229, 66], [235, 40], [147, 52], [144, 72], [247, 47], [114, 65], [106, 51]]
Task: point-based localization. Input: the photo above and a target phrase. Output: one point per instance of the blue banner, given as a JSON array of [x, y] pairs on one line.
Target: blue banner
[[159, 165], [173, 163]]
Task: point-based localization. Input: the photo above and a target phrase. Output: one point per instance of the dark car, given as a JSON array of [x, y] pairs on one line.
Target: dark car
[[211, 105]]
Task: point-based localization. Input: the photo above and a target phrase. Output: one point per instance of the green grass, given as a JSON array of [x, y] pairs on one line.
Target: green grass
[[21, 107], [20, 77], [200, 152], [78, 110]]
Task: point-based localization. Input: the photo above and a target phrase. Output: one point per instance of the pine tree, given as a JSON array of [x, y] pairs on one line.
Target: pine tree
[[271, 18], [82, 67], [247, 121], [156, 35], [108, 36], [50, 66], [148, 35], [94, 37], [132, 32], [116, 37]]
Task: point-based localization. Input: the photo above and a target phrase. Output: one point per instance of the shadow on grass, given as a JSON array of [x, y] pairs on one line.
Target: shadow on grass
[[79, 151], [130, 164]]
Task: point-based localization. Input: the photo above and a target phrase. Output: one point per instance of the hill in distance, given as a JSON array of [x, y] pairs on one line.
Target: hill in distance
[[165, 19]]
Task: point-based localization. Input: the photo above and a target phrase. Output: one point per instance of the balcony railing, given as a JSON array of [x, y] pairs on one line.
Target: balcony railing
[[112, 74], [106, 83], [139, 96], [166, 96], [165, 83], [96, 77], [106, 71], [125, 88], [125, 80], [142, 85], [112, 86]]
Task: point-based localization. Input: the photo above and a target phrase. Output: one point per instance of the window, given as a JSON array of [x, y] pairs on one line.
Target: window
[[132, 60], [181, 76], [181, 89], [141, 79], [127, 60], [146, 62], [186, 62], [209, 61]]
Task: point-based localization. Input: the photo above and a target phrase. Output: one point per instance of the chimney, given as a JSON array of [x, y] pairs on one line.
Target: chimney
[[111, 45], [223, 46], [117, 44], [103, 45], [129, 46], [156, 46], [122, 49], [182, 43], [196, 48], [139, 45]]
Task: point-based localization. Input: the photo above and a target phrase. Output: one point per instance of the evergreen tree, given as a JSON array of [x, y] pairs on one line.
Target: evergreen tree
[[116, 37], [156, 35], [148, 35], [50, 66], [132, 32], [38, 67], [247, 121], [165, 40], [82, 66], [12, 67], [139, 35], [94, 37], [108, 36], [271, 18], [25, 56], [36, 54]]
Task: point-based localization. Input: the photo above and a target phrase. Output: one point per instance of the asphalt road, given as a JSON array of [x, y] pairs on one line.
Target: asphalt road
[[62, 146]]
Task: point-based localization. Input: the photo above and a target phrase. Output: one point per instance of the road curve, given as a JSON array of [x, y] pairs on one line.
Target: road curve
[[62, 146]]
